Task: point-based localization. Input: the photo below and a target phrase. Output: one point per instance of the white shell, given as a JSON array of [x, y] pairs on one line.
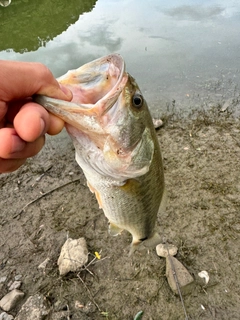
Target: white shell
[[204, 274]]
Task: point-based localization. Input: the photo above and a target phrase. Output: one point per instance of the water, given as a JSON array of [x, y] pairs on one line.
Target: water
[[184, 53]]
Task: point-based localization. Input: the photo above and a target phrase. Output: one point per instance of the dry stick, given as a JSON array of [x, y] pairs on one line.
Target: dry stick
[[89, 292], [177, 284], [68, 316], [43, 195]]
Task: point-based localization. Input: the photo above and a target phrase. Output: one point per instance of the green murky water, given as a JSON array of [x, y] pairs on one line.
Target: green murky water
[[26, 25]]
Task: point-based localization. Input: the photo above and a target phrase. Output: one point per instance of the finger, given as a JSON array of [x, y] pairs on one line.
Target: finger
[[10, 165], [13, 147], [56, 125], [24, 79], [31, 122]]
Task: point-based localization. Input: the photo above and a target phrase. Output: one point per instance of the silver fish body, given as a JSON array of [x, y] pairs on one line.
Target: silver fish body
[[116, 145]]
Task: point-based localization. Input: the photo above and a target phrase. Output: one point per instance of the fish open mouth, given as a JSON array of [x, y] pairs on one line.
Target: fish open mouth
[[96, 87], [99, 116]]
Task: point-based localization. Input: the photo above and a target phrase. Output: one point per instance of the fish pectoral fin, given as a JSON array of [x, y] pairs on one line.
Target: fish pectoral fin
[[97, 195], [114, 230], [90, 187]]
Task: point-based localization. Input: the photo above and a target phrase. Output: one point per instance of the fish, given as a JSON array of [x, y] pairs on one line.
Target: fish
[[115, 145]]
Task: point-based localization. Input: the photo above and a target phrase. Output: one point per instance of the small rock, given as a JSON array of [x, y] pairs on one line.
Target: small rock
[[35, 308], [15, 285], [74, 254], [163, 249], [157, 123], [227, 104], [10, 300], [43, 265], [88, 308], [79, 305], [3, 279], [18, 277], [6, 316], [204, 274], [184, 278]]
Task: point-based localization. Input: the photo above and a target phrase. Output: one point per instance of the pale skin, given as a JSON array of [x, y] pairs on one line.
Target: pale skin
[[24, 123]]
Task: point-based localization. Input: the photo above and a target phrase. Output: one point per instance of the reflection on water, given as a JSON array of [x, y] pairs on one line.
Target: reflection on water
[[26, 25], [185, 50], [194, 13], [102, 36], [5, 3]]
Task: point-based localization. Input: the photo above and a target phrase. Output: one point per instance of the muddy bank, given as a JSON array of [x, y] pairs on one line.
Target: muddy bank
[[47, 200]]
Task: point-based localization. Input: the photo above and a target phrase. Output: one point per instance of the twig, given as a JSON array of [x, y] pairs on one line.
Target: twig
[[43, 195], [177, 284], [89, 292], [68, 316], [92, 262]]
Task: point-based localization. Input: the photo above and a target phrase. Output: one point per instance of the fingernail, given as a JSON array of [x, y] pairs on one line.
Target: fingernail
[[66, 91], [17, 144]]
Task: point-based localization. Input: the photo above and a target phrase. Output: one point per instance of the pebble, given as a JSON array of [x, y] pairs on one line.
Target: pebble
[[184, 278], [6, 316], [87, 308], [35, 308], [227, 104], [74, 254], [204, 274], [157, 123], [11, 299], [18, 277], [15, 285], [3, 279], [43, 265], [163, 249]]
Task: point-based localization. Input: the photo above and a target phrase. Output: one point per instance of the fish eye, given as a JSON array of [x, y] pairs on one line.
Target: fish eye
[[137, 101]]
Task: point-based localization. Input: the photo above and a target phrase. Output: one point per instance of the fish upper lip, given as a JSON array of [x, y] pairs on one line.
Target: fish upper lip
[[108, 99]]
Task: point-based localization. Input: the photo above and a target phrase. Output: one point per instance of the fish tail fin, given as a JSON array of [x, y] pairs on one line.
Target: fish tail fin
[[150, 242]]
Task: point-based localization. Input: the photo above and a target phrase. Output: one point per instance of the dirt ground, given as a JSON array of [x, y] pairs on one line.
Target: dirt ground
[[202, 167]]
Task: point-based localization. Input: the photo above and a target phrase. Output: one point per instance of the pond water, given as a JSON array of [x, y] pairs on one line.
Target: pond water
[[185, 53]]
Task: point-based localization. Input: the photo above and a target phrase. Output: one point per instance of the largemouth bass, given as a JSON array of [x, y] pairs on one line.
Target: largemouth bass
[[116, 145]]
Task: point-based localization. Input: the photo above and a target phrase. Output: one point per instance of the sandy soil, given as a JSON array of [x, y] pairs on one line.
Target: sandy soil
[[202, 167]]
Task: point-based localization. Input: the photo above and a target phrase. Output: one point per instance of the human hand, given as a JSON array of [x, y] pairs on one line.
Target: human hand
[[23, 123]]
